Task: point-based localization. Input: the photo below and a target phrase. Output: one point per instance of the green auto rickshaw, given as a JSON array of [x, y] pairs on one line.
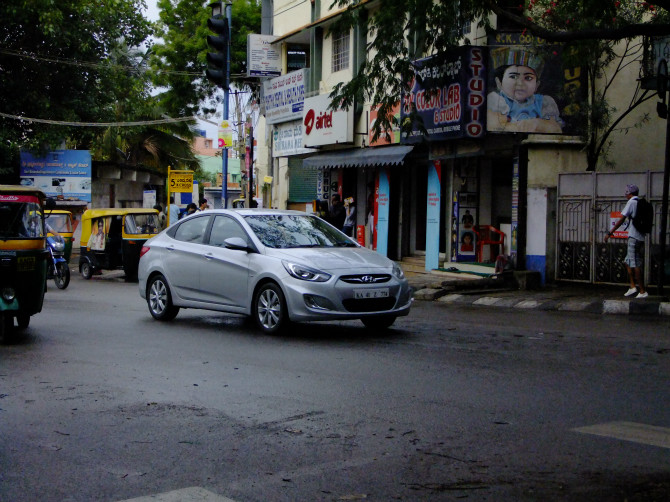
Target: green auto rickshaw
[[112, 238], [23, 256]]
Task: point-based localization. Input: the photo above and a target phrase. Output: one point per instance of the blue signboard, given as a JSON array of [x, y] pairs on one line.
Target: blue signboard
[[63, 174]]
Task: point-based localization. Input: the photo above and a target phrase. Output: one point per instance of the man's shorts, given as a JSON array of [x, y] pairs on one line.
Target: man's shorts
[[634, 254]]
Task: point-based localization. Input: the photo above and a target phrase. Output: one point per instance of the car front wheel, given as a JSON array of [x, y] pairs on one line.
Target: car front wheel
[[159, 300], [269, 309]]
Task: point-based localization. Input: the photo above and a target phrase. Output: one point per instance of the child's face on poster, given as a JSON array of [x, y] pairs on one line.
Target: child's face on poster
[[519, 82]]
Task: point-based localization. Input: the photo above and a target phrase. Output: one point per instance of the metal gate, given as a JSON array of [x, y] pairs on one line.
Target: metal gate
[[585, 204]]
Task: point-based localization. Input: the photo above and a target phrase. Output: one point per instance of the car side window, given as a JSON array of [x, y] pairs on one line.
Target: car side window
[[223, 228], [192, 230]]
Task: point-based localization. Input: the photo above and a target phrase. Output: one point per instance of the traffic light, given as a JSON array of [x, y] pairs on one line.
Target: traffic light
[[218, 23]]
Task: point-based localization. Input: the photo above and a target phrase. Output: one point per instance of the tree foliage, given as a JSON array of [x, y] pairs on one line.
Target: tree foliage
[[58, 62], [179, 57]]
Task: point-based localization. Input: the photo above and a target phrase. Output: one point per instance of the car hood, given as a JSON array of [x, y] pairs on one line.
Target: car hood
[[333, 258]]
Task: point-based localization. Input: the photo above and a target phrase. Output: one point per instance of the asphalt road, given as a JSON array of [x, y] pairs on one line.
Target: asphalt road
[[101, 402]]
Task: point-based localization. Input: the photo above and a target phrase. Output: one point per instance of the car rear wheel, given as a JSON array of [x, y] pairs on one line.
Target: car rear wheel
[[159, 299], [270, 312], [378, 322]]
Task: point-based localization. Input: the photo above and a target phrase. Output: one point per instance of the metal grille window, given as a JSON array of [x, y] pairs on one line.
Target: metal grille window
[[340, 51]]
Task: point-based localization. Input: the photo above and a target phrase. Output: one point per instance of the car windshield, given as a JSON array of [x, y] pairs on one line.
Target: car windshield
[[20, 217], [141, 223], [282, 231]]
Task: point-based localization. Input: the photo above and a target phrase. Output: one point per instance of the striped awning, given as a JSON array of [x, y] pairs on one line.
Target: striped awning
[[359, 157]]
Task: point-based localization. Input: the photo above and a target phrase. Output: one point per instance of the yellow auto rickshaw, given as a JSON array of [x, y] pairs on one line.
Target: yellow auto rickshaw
[[112, 238], [23, 256], [63, 223]]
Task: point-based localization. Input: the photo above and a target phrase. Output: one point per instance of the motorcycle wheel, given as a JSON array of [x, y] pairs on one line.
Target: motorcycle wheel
[[62, 276]]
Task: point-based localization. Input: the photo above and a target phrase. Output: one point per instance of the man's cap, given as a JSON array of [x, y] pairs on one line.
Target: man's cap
[[632, 189]]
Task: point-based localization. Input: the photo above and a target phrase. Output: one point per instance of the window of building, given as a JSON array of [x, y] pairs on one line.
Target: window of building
[[208, 143], [340, 51], [297, 57]]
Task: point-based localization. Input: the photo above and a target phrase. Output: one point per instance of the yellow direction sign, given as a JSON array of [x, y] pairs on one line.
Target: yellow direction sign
[[180, 181]]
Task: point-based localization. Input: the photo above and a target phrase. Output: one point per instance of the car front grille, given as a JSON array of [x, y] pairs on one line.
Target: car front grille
[[366, 278], [369, 304]]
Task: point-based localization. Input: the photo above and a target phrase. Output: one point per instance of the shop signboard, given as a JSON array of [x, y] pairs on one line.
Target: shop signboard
[[284, 96], [287, 139], [533, 87], [326, 126], [447, 96], [63, 174], [263, 58]]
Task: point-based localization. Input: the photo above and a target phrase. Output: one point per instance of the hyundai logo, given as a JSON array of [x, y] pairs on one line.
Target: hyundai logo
[[368, 279]]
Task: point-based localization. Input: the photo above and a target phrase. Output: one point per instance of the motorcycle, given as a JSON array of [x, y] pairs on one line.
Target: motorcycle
[[57, 268]]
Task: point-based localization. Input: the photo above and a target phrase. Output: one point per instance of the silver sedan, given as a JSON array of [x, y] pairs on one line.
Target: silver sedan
[[276, 266]]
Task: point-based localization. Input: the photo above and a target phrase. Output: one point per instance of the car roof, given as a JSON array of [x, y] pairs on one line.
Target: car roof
[[257, 211]]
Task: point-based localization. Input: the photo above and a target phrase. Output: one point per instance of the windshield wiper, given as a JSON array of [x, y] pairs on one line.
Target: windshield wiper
[[344, 244]]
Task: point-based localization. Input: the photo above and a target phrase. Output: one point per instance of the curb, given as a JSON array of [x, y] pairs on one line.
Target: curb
[[614, 307]]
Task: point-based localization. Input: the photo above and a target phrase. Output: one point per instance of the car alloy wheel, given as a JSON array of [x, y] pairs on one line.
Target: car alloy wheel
[[270, 308], [159, 300]]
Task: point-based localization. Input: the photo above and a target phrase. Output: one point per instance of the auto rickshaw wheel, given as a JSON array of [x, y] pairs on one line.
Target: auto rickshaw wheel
[[159, 299], [22, 321], [86, 270]]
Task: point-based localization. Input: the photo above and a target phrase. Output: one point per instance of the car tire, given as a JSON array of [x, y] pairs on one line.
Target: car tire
[[379, 321], [159, 299], [62, 277], [269, 309], [86, 270]]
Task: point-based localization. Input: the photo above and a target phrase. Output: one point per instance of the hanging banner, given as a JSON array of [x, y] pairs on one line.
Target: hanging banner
[[225, 135], [433, 216]]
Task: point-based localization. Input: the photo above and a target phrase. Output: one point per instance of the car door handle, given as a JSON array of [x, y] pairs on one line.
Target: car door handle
[[209, 256]]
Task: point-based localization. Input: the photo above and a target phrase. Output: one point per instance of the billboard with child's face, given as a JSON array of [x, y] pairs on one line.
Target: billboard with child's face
[[533, 88]]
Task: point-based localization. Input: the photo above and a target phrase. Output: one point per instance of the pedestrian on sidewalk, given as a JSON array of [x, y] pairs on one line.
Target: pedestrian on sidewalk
[[634, 258]]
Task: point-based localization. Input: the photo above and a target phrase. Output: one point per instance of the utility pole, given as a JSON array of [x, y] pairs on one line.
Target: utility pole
[[219, 73]]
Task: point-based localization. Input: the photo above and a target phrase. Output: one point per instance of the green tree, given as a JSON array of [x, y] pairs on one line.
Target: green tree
[[55, 64], [179, 57]]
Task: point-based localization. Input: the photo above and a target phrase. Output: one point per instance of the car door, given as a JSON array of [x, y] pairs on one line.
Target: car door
[[225, 277], [183, 257]]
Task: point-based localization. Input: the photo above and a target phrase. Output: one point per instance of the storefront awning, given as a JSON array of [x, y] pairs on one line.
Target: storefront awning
[[360, 157]]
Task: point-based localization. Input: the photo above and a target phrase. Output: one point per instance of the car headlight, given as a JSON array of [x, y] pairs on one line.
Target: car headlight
[[397, 271], [305, 273]]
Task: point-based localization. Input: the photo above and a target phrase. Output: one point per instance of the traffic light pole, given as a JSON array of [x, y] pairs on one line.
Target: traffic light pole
[[226, 114]]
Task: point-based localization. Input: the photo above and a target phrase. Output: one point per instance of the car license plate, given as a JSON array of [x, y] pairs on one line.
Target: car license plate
[[362, 294]]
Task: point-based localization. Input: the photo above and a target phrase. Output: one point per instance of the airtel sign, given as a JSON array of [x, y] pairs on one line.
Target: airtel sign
[[323, 126]]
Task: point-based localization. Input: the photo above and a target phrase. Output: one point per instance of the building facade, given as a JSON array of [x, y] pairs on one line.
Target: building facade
[[484, 178]]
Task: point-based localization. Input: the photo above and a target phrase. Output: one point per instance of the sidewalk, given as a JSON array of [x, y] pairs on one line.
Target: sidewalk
[[563, 296]]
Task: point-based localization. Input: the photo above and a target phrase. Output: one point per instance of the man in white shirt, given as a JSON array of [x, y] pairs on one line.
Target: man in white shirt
[[634, 257], [173, 211]]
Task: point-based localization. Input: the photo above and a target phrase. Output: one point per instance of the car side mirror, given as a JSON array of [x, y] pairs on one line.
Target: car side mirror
[[236, 243]]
